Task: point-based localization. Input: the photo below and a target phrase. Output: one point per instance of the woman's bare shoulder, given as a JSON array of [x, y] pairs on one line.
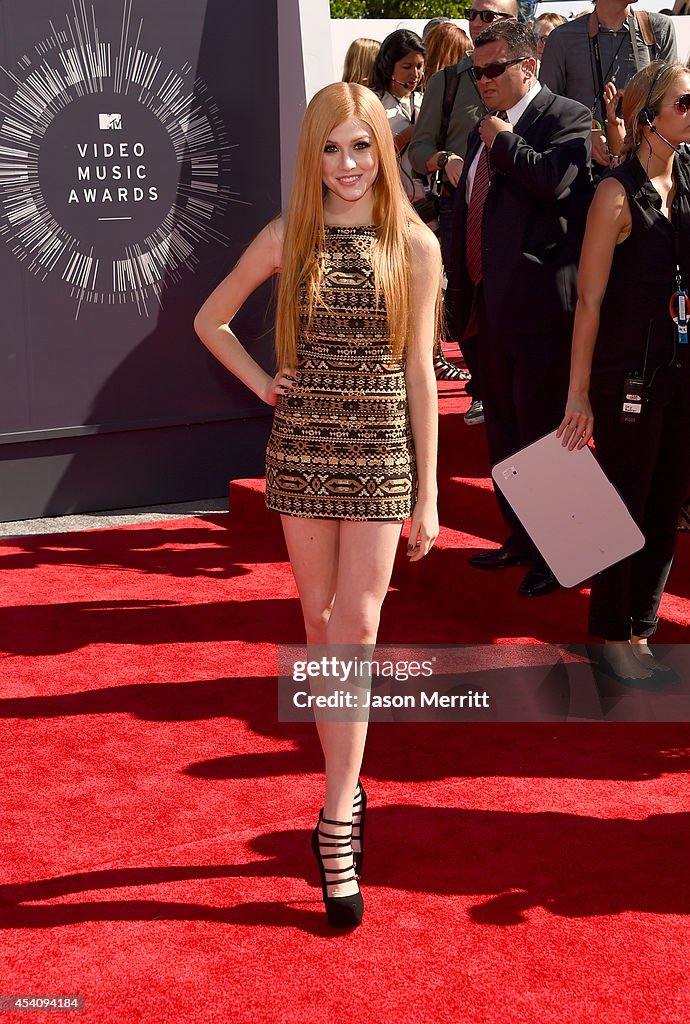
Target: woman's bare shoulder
[[424, 244], [610, 197]]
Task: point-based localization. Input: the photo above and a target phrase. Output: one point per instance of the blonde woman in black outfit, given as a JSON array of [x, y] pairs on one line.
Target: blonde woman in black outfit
[[635, 261]]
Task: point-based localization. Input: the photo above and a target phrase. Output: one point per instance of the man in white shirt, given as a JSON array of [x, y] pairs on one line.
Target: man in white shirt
[[518, 224]]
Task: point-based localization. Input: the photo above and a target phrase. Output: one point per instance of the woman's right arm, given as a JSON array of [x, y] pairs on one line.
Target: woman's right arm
[[607, 224], [260, 261]]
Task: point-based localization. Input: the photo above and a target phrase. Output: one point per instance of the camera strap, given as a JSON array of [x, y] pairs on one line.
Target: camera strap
[[597, 71]]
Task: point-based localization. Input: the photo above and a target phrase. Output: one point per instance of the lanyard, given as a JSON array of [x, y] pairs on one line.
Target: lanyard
[[413, 108], [678, 306], [595, 54]]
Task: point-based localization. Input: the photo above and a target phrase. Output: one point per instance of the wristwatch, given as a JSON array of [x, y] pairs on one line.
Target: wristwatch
[[442, 160]]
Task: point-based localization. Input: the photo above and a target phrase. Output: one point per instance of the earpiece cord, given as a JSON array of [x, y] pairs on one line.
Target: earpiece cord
[[411, 119]]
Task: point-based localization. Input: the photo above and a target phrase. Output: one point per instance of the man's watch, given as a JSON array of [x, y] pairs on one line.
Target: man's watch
[[442, 159]]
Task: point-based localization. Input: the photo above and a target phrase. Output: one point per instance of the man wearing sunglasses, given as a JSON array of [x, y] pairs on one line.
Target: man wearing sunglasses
[[425, 155], [451, 108], [518, 223]]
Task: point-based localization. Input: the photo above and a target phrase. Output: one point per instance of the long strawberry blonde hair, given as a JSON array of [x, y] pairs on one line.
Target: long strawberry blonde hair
[[303, 244]]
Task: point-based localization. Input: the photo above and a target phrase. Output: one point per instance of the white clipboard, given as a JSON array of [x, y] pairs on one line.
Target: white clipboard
[[569, 507]]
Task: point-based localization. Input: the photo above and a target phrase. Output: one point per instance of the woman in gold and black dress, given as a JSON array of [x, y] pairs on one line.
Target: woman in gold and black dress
[[352, 453]]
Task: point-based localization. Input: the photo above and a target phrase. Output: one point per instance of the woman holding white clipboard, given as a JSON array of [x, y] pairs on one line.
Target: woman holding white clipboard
[[630, 373]]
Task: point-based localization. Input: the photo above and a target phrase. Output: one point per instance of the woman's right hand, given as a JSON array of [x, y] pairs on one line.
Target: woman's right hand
[[577, 425], [615, 134], [283, 381]]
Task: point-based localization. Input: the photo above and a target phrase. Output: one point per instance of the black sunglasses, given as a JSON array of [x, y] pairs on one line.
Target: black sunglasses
[[682, 104], [486, 16], [494, 70]]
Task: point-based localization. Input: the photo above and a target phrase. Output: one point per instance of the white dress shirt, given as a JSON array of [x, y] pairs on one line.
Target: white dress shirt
[[513, 115]]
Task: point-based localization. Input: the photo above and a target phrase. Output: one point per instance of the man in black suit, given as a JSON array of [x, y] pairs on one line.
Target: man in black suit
[[518, 223]]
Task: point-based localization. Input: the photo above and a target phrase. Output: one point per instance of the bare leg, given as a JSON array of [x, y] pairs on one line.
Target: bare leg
[[342, 576], [313, 549], [365, 563]]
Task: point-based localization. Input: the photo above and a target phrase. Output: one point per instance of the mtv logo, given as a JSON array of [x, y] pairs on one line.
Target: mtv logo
[[109, 121]]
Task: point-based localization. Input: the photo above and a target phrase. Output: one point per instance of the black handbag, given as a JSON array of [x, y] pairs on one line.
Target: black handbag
[[428, 207]]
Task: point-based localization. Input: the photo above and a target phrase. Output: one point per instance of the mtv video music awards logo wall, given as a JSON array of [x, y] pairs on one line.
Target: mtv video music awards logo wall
[[113, 166]]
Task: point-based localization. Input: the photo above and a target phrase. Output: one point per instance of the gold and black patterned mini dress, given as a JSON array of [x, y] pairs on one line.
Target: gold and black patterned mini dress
[[341, 445]]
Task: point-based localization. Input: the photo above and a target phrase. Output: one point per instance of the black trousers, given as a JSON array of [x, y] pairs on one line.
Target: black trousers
[[470, 345], [524, 390], [649, 464]]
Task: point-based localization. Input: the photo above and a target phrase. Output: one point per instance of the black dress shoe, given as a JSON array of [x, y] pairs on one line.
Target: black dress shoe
[[500, 558], [538, 581], [653, 681]]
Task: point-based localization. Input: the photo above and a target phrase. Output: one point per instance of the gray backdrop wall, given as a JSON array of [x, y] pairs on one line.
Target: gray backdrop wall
[[139, 154]]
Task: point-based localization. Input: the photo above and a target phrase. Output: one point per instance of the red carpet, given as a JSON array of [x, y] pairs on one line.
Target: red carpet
[[156, 814]]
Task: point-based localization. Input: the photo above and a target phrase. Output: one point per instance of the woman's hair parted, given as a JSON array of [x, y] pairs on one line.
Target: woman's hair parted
[[359, 61], [445, 45], [640, 94], [303, 244], [393, 48]]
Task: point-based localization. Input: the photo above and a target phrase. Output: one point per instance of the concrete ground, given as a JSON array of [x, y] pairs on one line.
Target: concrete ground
[[114, 517]]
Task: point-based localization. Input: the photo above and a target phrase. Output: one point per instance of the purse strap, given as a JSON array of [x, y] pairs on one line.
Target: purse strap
[[451, 84]]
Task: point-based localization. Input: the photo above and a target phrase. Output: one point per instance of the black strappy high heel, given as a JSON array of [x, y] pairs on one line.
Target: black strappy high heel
[[342, 911], [359, 809], [445, 370]]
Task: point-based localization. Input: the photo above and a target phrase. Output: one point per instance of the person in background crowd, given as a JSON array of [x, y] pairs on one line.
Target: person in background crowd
[[439, 145], [525, 11], [398, 74], [586, 56], [635, 260], [359, 61], [518, 223], [545, 24], [446, 44], [352, 452], [431, 25]]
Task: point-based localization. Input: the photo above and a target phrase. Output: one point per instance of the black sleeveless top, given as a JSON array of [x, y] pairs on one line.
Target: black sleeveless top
[[635, 320]]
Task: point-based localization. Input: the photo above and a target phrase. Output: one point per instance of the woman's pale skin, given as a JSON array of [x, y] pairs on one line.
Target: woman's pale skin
[[609, 223], [342, 568]]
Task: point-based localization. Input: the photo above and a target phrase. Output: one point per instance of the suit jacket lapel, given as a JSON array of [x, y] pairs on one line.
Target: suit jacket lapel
[[533, 112], [473, 143]]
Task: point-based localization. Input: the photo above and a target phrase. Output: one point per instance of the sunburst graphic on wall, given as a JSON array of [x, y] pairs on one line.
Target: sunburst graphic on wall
[[114, 167]]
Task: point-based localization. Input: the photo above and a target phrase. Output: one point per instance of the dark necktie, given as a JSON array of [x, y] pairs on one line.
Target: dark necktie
[[475, 211]]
